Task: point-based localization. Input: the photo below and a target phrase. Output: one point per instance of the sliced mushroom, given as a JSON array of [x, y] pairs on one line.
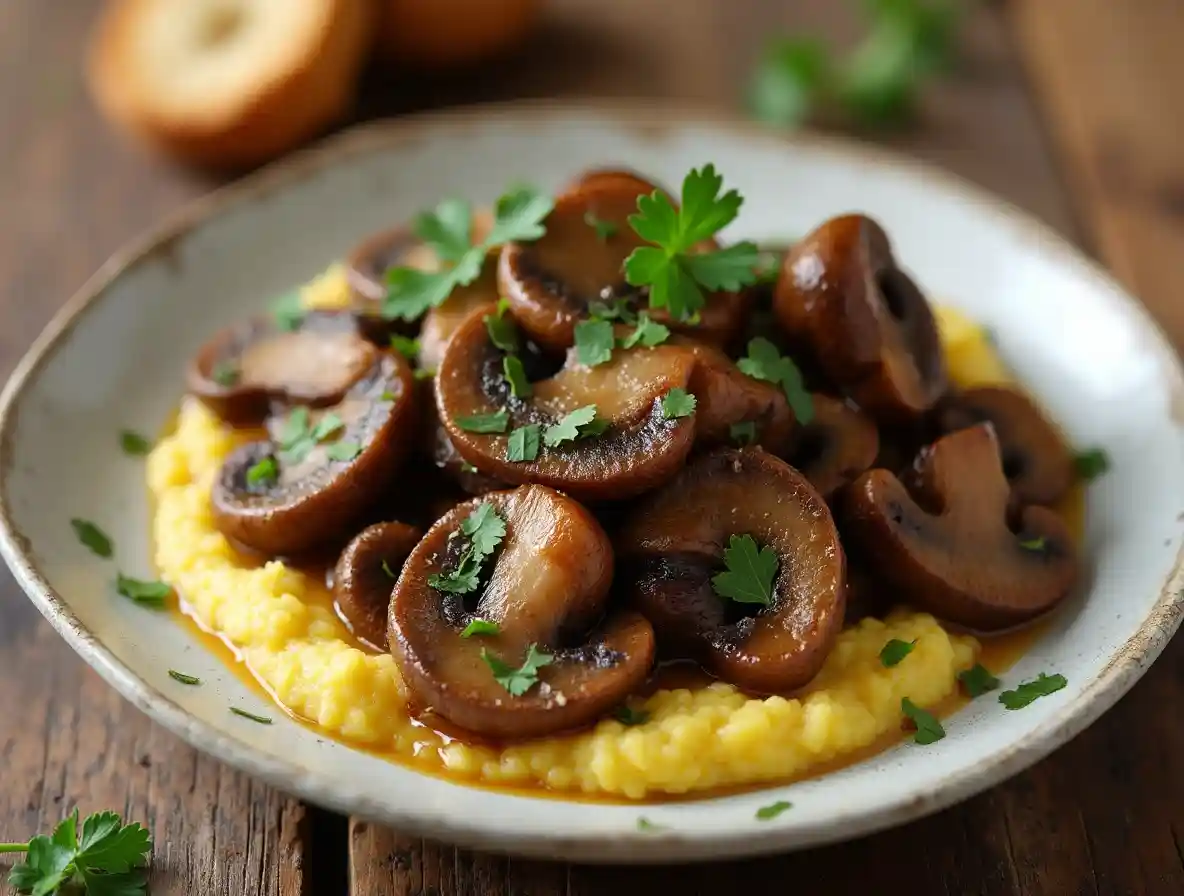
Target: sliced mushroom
[[546, 587], [866, 323], [639, 449], [675, 543], [612, 177], [837, 445], [365, 577], [552, 282], [315, 494], [1036, 460], [441, 322], [245, 368], [944, 542]]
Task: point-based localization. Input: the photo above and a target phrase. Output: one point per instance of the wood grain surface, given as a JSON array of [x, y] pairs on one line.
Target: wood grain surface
[[1104, 815]]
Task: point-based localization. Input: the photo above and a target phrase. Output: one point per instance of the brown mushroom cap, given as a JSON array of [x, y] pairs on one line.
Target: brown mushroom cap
[[1036, 460], [837, 445], [944, 543], [866, 323], [675, 542], [313, 500], [546, 586], [551, 283], [621, 178], [365, 577], [245, 368], [639, 450]]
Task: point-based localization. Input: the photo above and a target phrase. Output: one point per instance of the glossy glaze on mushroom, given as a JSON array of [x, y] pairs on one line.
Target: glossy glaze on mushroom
[[648, 485]]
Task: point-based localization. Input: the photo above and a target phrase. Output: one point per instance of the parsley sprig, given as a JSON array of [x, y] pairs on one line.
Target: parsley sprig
[[750, 572], [765, 362], [521, 679], [484, 529], [98, 857]]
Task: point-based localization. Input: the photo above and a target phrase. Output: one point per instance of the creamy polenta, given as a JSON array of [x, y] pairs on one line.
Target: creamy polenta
[[280, 622]]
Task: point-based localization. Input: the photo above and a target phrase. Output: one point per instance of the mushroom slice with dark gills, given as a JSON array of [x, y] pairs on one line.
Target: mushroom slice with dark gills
[[837, 445], [1036, 460], [865, 322], [618, 444], [675, 546], [321, 469], [495, 622], [247, 368], [365, 575], [944, 542], [553, 282]]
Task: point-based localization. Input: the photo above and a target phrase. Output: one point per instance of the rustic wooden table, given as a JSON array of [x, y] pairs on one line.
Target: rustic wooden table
[[1070, 108]]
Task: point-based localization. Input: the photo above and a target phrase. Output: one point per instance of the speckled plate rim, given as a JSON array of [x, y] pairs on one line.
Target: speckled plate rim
[[1122, 670]]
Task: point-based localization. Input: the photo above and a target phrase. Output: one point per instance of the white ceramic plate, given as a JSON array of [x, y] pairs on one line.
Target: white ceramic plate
[[113, 358]]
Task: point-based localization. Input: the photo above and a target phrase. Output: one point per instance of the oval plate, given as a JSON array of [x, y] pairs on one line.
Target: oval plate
[[113, 359]]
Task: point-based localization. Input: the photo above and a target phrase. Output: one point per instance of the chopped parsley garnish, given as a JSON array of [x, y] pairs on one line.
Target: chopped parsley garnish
[[424, 373], [263, 472], [183, 678], [1091, 464], [502, 332], [466, 467], [485, 423], [515, 375], [644, 824], [225, 374], [605, 230], [151, 594], [677, 403], [977, 680], [299, 435], [388, 395], [750, 572], [405, 346], [343, 451], [895, 651], [262, 720], [521, 679], [485, 530], [768, 264], [1041, 686], [288, 311], [675, 274], [764, 362], [618, 309], [647, 333], [386, 568], [580, 423], [594, 342], [93, 537], [480, 627], [743, 433], [1036, 545], [927, 729], [518, 216], [523, 444], [134, 443], [630, 717], [771, 811]]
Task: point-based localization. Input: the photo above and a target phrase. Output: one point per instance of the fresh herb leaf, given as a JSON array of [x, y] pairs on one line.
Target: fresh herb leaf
[[750, 572], [630, 717], [605, 230], [328, 425], [1041, 686], [262, 720], [480, 627], [466, 467], [518, 680], [263, 472], [388, 395], [134, 443], [93, 537], [405, 346], [928, 729], [578, 424], [485, 529], [518, 216], [765, 362], [895, 651], [618, 309], [502, 332], [977, 680], [343, 451], [675, 273], [98, 864], [523, 444], [644, 824], [225, 374], [424, 373], [1091, 464], [288, 311], [677, 403], [410, 292], [771, 811], [485, 423], [648, 333], [515, 375], [464, 579], [789, 80], [594, 342], [183, 678], [299, 435], [743, 433], [141, 591], [447, 229], [1037, 545], [386, 568]]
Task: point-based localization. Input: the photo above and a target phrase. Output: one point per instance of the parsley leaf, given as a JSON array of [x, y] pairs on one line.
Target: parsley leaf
[[677, 403], [518, 216], [515, 375], [141, 591], [1091, 464], [411, 292], [764, 362], [1036, 545], [743, 433], [977, 680], [462, 580], [771, 811], [523, 444], [447, 229], [183, 678], [594, 342], [134, 443], [630, 717], [93, 537], [262, 720], [288, 311], [644, 824], [263, 472], [299, 435], [1041, 686], [386, 569], [617, 310], [518, 680], [750, 572], [579, 423], [605, 230], [928, 728], [484, 529], [405, 346], [895, 651], [225, 373], [648, 333], [101, 861], [343, 451], [480, 627], [502, 332], [676, 274], [788, 79], [485, 423]]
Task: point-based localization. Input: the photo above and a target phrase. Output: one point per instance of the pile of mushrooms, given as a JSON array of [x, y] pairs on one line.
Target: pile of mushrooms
[[527, 564]]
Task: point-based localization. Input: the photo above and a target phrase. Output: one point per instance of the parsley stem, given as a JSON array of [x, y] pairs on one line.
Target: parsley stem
[[14, 847]]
